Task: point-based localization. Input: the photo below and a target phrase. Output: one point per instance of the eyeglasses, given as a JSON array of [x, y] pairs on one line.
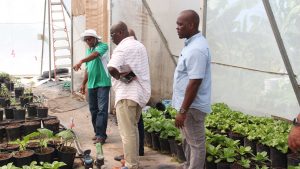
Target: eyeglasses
[[112, 34]]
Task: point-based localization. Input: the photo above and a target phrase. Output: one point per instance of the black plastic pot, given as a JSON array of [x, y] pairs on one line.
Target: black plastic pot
[[9, 147], [52, 124], [24, 100], [164, 146], [293, 159], [31, 111], [2, 133], [67, 155], [223, 165], [180, 153], [236, 136], [148, 139], [5, 158], [30, 127], [23, 157], [155, 141], [1, 114], [42, 112], [4, 102], [44, 154], [9, 112], [19, 114], [250, 143], [210, 165], [19, 91], [172, 146], [13, 132], [260, 148], [10, 86], [278, 159]]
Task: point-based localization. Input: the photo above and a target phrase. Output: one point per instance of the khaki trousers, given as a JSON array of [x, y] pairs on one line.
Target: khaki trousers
[[128, 114]]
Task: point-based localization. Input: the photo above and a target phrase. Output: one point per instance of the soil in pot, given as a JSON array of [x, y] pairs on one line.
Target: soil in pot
[[30, 127], [155, 141], [67, 155], [164, 146], [13, 132], [236, 166], [5, 158], [293, 159], [44, 154], [52, 124], [9, 147], [32, 145], [9, 112], [23, 157], [223, 165], [278, 159], [250, 143], [210, 165], [19, 114], [19, 91], [180, 153], [236, 136], [1, 114], [260, 148], [172, 146], [42, 112], [31, 111], [2, 133]]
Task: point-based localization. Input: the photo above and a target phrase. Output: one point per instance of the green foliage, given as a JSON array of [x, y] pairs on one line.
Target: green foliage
[[168, 129], [9, 166], [33, 165], [67, 136], [226, 154], [54, 165], [4, 92], [244, 162], [23, 143]]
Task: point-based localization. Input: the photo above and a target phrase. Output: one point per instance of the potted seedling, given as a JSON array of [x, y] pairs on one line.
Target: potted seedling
[[4, 96], [43, 152], [5, 158], [19, 89], [9, 111], [66, 153], [53, 165], [42, 109], [23, 156]]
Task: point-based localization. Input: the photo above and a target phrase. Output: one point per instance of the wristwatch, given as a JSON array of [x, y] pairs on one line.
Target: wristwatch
[[182, 111], [296, 122]]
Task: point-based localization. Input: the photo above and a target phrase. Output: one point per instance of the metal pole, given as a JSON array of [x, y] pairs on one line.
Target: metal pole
[[49, 28], [72, 58], [282, 49], [43, 38], [204, 17], [64, 5]]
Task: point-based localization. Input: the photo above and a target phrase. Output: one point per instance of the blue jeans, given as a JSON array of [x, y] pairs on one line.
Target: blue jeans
[[98, 103]]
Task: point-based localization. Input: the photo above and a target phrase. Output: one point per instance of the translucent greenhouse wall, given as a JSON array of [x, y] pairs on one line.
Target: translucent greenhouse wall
[[248, 71], [247, 68]]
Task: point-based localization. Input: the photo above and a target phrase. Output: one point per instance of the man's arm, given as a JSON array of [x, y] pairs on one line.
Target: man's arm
[[294, 137], [92, 56], [114, 72], [189, 97], [85, 79]]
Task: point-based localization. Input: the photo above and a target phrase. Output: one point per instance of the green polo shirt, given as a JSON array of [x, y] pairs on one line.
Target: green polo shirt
[[98, 75]]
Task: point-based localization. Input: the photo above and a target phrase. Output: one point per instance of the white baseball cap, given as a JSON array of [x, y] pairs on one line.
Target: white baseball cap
[[90, 32]]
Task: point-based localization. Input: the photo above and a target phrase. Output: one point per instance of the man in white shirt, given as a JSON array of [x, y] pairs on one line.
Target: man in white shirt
[[130, 68]]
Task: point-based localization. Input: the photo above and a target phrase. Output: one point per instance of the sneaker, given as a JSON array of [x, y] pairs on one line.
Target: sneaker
[[119, 157]]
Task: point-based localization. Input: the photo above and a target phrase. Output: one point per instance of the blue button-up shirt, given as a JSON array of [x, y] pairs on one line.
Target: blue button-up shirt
[[193, 63]]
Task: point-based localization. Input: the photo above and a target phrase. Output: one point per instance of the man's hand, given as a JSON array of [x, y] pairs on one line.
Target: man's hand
[[179, 120], [77, 66], [294, 138], [82, 89]]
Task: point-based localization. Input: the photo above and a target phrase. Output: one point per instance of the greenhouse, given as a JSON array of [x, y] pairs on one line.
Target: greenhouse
[[46, 106]]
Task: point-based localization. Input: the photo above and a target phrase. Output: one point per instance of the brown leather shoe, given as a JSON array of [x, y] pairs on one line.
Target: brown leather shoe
[[99, 140], [94, 138]]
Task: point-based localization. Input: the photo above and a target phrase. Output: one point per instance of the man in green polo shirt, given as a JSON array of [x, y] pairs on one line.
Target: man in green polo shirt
[[98, 81]]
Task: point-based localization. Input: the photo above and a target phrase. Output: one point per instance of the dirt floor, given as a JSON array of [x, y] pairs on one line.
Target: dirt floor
[[67, 107]]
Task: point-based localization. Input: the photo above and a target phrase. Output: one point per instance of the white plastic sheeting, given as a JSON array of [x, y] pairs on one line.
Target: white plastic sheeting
[[248, 71]]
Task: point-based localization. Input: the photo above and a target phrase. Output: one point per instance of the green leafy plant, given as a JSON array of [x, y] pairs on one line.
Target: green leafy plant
[[33, 165], [54, 165], [244, 162], [4, 92], [67, 137], [43, 135], [168, 129], [226, 155], [9, 166]]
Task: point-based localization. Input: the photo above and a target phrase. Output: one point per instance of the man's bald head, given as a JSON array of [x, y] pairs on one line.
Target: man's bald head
[[119, 32], [191, 16]]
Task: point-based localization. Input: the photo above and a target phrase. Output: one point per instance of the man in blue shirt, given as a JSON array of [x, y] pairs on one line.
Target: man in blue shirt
[[192, 89]]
